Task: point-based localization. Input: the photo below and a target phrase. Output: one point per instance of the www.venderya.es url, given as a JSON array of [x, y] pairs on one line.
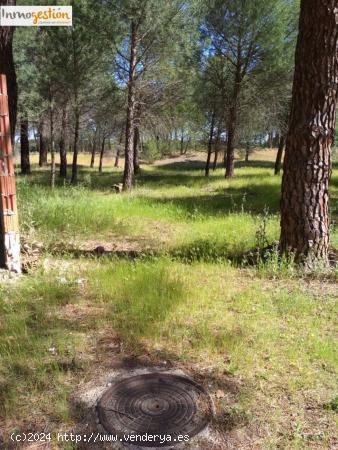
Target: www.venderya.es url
[[100, 437], [131, 438]]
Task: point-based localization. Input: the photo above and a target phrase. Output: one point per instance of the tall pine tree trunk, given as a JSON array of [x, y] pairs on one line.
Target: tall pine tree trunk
[[52, 149], [101, 154], [230, 152], [211, 136], [128, 176], [42, 145], [136, 149], [232, 125], [182, 142], [217, 146], [278, 163], [7, 67], [75, 147], [225, 150], [62, 145], [92, 159], [307, 164], [24, 144], [247, 151]]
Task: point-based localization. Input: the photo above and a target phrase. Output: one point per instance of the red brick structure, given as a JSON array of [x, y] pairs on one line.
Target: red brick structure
[[9, 225]]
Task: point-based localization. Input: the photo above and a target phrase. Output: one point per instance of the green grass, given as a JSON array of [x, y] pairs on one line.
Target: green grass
[[267, 329]]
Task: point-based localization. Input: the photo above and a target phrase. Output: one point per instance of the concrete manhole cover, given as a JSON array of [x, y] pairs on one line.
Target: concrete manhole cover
[[154, 410]]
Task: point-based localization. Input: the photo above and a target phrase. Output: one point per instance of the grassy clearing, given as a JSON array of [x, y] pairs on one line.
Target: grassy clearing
[[266, 330]]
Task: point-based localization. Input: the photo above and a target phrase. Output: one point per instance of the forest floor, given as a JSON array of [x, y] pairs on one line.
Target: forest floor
[[160, 277]]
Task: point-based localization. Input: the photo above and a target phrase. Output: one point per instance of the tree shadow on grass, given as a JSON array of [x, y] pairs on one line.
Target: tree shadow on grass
[[189, 165], [259, 164], [251, 199], [196, 165]]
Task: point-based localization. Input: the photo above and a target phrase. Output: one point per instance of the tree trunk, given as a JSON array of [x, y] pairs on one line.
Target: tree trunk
[[52, 149], [62, 145], [278, 163], [136, 150], [24, 144], [92, 159], [225, 150], [182, 142], [101, 154], [214, 165], [230, 153], [233, 112], [128, 176], [7, 67], [75, 147], [42, 146], [211, 136], [307, 164], [217, 147]]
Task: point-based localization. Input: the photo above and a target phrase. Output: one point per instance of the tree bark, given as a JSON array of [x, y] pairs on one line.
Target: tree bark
[[232, 126], [42, 145], [101, 154], [225, 150], [7, 67], [214, 165], [230, 153], [247, 152], [24, 144], [92, 159], [307, 164], [136, 150], [62, 145], [278, 163], [128, 176], [52, 149], [211, 136], [217, 147], [182, 142], [75, 147]]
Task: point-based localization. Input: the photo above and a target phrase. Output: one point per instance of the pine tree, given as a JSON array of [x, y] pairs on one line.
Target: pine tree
[[307, 164]]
